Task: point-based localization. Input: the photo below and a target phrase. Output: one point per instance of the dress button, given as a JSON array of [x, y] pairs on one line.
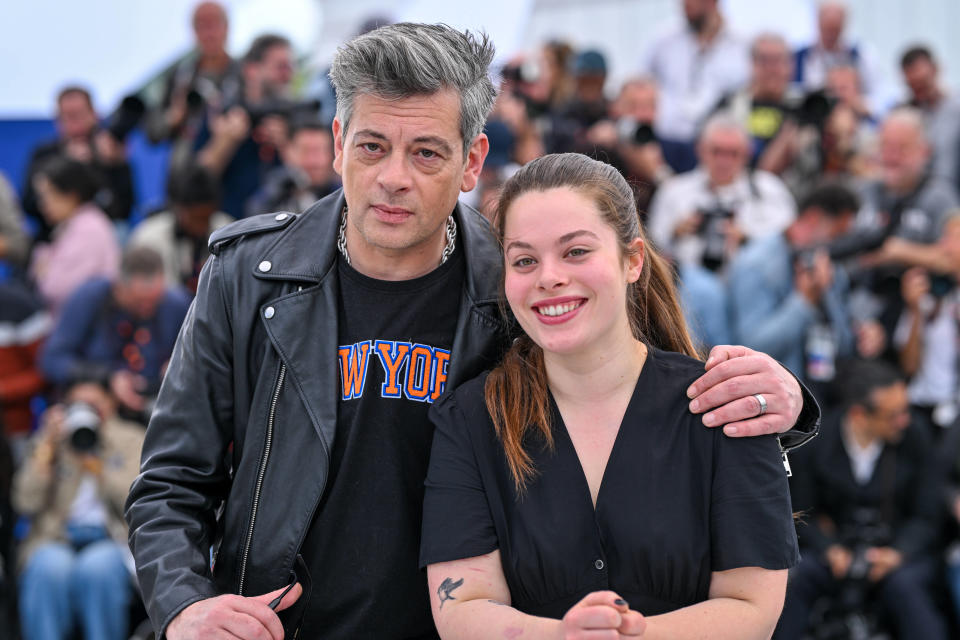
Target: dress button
[[282, 216], [269, 313], [598, 563], [265, 266]]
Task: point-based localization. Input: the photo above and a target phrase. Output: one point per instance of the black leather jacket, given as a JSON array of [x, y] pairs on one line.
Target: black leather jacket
[[237, 452]]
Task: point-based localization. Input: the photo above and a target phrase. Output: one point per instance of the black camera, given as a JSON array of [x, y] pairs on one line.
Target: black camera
[[293, 111], [814, 109], [713, 229], [125, 118], [82, 427]]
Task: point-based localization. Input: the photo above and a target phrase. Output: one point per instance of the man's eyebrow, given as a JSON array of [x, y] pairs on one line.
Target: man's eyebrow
[[369, 133], [567, 237], [435, 141]]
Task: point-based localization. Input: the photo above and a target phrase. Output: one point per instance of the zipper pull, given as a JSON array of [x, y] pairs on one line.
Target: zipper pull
[[786, 460]]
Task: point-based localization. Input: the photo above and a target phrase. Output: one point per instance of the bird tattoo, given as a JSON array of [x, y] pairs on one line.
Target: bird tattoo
[[445, 589]]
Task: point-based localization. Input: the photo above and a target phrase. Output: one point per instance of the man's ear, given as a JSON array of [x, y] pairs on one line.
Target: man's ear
[[337, 147], [635, 257], [475, 157]]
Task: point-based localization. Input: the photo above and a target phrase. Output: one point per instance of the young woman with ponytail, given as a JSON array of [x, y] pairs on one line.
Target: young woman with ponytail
[[571, 492]]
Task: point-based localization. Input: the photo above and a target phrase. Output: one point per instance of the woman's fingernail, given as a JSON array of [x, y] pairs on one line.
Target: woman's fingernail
[[620, 601], [695, 406], [709, 419], [730, 431]]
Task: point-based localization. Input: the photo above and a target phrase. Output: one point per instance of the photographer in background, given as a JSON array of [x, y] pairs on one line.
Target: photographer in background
[[940, 110], [180, 233], [306, 175], [700, 218], [927, 338], [72, 486], [81, 138], [766, 106], [245, 142], [120, 332], [787, 298], [869, 494], [206, 78], [903, 216]]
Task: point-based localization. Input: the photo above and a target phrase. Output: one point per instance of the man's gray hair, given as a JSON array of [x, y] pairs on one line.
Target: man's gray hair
[[408, 59]]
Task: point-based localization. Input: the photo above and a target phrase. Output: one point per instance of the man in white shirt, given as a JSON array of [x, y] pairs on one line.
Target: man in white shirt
[[756, 203], [695, 64]]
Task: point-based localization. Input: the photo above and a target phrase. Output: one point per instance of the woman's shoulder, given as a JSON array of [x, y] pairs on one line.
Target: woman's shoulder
[[465, 404], [674, 369]]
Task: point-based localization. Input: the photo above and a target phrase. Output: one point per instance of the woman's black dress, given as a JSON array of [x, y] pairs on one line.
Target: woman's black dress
[[677, 501]]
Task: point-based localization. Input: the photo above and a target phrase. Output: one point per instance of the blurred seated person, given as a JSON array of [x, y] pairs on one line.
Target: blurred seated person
[[940, 110], [120, 332], [926, 337], [24, 325], [180, 233], [206, 78], [81, 138], [588, 104], [867, 488], [767, 105], [813, 63], [83, 244], [628, 132], [702, 217], [787, 298], [840, 143], [8, 563], [244, 143], [72, 486], [903, 215], [14, 239], [306, 175]]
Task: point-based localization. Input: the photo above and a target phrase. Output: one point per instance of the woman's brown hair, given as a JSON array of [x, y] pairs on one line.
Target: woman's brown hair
[[516, 392]]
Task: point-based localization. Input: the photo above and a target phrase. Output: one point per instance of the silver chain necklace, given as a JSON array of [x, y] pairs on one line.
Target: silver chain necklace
[[447, 250]]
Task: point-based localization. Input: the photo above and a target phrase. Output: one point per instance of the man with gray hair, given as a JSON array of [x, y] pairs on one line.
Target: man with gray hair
[[291, 434]]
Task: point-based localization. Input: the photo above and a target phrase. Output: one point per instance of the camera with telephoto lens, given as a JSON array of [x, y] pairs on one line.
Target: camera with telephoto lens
[[82, 426], [713, 230], [814, 109], [290, 110], [125, 118], [850, 615]]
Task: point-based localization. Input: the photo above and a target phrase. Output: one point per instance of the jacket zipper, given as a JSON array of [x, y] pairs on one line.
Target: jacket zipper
[[260, 475]]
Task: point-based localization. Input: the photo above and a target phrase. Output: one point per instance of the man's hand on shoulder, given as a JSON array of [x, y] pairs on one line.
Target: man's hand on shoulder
[[231, 617], [727, 393]]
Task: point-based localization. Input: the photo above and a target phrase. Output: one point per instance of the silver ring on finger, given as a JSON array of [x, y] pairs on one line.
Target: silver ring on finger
[[763, 403]]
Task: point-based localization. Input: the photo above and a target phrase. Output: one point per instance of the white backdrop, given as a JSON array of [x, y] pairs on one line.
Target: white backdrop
[[113, 46]]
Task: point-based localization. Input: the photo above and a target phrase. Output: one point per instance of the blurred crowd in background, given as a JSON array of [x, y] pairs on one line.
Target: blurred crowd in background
[[804, 219]]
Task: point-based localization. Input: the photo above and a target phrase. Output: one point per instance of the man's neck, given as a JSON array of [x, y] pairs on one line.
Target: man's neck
[[395, 264], [214, 62]]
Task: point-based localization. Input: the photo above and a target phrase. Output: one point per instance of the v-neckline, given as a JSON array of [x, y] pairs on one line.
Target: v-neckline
[[560, 430]]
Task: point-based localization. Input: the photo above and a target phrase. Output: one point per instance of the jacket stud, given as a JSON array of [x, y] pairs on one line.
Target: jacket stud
[[269, 312], [265, 266], [280, 217]]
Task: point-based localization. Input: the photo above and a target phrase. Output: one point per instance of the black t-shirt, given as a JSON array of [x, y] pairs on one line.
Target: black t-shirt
[[677, 501], [362, 548]]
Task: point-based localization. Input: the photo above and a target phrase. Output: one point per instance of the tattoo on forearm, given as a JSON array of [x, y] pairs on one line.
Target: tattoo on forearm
[[447, 587]]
